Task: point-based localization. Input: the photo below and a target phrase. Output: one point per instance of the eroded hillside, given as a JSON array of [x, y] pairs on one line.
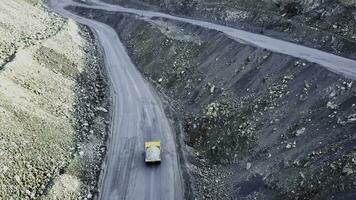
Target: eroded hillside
[[260, 125], [50, 105], [328, 25]]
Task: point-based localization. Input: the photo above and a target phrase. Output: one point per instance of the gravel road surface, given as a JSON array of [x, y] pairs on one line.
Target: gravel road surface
[[138, 116]]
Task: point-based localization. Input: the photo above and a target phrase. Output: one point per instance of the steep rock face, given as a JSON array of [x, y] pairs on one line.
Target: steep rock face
[[262, 125]]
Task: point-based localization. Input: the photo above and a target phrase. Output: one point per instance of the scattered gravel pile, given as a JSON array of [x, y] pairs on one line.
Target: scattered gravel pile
[[65, 187], [92, 113], [211, 180]]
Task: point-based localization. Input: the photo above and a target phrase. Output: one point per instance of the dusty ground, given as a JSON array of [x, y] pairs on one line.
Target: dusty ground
[[22, 34], [42, 58], [260, 125]]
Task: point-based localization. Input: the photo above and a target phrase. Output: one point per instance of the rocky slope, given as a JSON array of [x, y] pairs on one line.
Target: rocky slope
[[260, 125], [328, 25], [48, 71]]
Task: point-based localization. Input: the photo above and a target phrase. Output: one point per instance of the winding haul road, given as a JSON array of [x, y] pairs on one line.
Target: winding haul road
[[334, 63], [138, 114]]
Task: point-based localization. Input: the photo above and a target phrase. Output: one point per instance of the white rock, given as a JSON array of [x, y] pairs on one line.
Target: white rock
[[302, 175], [349, 85], [101, 109], [300, 131], [351, 118], [331, 105], [17, 178], [212, 89], [248, 165]]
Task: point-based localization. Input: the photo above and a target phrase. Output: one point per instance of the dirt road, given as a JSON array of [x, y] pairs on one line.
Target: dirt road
[[137, 116]]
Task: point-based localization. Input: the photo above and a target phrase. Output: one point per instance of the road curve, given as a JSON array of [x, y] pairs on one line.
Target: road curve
[[138, 113], [334, 63], [137, 116]]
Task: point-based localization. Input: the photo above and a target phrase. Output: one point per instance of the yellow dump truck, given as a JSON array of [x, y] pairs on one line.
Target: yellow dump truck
[[153, 151]]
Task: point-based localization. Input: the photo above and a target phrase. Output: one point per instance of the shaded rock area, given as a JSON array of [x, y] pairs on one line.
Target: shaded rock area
[[328, 25], [259, 125]]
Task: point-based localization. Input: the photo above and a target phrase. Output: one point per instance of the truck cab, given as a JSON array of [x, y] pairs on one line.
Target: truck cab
[[153, 152]]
